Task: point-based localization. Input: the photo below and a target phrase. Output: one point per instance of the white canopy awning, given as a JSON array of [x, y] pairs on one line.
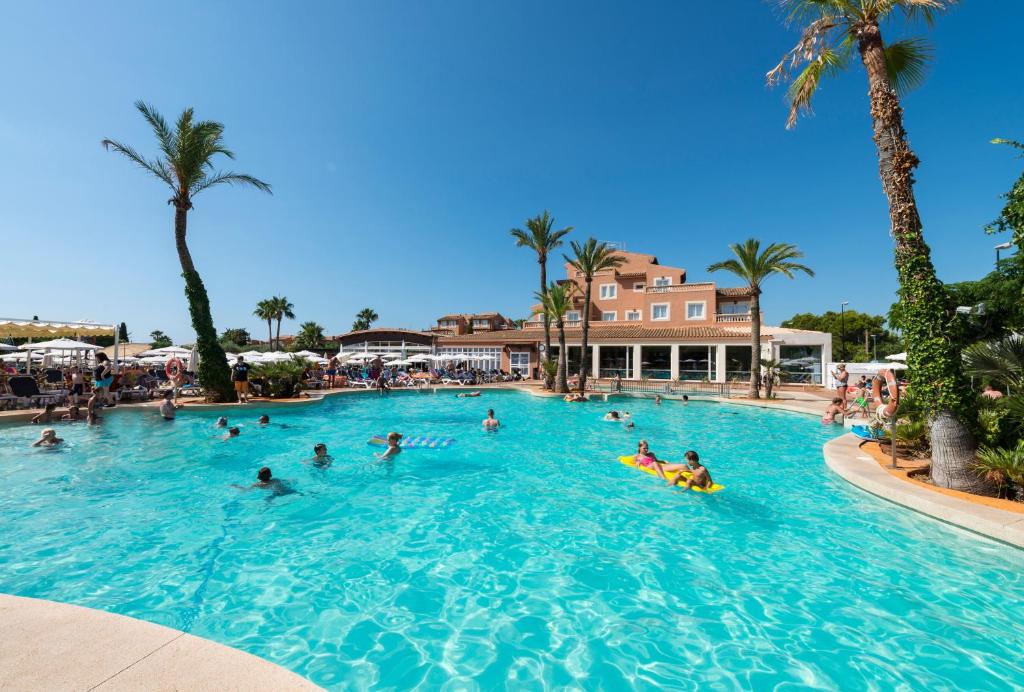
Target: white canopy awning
[[60, 345], [897, 356]]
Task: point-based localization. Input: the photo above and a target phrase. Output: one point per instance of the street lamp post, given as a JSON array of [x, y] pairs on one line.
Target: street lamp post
[[1001, 246], [874, 347], [842, 322]]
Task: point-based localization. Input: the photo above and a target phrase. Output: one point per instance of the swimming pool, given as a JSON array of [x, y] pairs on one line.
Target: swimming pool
[[527, 558]]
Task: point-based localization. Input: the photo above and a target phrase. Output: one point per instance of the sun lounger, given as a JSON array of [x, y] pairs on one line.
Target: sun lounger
[[365, 384], [25, 387]]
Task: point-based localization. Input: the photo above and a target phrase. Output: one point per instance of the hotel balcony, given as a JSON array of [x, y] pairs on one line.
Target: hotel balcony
[[737, 317], [679, 288]]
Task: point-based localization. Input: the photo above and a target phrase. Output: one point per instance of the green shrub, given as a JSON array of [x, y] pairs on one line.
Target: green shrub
[[1004, 467], [281, 380]]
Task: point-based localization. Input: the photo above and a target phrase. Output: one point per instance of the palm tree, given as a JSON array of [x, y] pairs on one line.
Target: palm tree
[[589, 259], [364, 318], [554, 302], [311, 336], [282, 309], [753, 266], [539, 237], [834, 32], [185, 165], [1001, 361], [265, 311]]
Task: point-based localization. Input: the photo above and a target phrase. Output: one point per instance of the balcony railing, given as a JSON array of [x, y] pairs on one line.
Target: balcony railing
[[735, 317], [679, 288]]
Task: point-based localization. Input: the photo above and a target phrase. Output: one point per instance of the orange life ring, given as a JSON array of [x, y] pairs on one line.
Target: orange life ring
[[174, 368]]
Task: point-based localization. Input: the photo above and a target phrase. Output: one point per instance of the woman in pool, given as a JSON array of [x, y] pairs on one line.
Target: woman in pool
[[47, 438], [842, 378], [645, 457]]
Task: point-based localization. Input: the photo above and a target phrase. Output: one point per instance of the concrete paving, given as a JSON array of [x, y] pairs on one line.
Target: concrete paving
[[56, 646]]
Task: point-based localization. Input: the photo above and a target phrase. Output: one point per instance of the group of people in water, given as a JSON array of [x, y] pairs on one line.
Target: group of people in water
[[692, 474]]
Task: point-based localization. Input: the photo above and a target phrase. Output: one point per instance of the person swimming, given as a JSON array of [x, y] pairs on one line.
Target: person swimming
[[46, 416], [47, 438], [393, 449], [686, 400], [467, 395], [222, 422], [265, 481], [700, 478], [490, 422], [657, 400], [264, 420], [612, 415], [233, 431], [321, 459]]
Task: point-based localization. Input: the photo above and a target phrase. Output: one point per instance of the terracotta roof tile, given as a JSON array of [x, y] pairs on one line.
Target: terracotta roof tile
[[738, 292]]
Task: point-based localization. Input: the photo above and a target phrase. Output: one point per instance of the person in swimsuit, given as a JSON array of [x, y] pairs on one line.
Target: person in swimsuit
[[700, 477], [686, 400], [77, 385], [168, 409], [232, 432], [612, 415], [71, 415], [321, 459], [842, 380], [657, 400], [467, 395], [46, 416], [490, 422], [222, 422], [332, 371], [834, 413], [264, 420], [645, 457], [265, 480], [393, 449], [991, 392], [103, 376], [47, 438]]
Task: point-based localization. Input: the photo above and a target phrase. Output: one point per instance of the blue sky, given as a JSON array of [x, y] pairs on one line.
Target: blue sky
[[404, 139]]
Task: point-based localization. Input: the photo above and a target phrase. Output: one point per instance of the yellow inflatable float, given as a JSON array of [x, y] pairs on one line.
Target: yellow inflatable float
[[628, 461]]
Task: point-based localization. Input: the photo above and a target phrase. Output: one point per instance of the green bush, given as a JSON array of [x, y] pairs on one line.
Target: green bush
[[1004, 467], [281, 380]]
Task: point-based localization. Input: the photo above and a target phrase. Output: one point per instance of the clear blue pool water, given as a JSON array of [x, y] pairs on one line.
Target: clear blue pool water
[[523, 559]]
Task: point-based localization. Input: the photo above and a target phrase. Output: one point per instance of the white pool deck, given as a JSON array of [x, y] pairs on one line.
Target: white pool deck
[[46, 645]]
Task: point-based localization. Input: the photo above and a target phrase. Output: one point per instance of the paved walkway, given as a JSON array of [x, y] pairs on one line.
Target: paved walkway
[[56, 646]]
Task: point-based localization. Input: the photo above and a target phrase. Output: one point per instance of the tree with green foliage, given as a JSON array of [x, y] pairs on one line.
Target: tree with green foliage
[[540, 237], [364, 318], [833, 34], [236, 335], [157, 339], [282, 309], [1011, 218], [265, 311], [753, 266], [859, 325], [555, 300], [589, 259], [186, 166], [122, 333], [310, 336]]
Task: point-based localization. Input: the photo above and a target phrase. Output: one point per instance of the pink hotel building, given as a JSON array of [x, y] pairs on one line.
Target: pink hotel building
[[646, 321]]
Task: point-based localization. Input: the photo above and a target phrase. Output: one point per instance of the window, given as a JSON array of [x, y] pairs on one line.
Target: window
[[609, 291], [519, 361], [695, 311], [663, 281], [633, 315], [572, 316], [659, 311], [639, 287], [447, 323], [481, 323], [734, 308], [608, 316]]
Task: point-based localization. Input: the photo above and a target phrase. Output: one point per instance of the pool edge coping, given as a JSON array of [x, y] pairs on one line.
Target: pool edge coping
[[56, 645]]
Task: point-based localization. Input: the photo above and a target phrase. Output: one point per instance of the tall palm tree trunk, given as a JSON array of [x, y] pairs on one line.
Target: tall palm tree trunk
[[755, 343], [585, 337], [933, 354], [543, 261], [278, 347], [270, 333], [563, 385], [213, 367]]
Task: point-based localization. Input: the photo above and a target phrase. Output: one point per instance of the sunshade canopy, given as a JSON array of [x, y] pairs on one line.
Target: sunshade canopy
[[37, 329], [59, 345]]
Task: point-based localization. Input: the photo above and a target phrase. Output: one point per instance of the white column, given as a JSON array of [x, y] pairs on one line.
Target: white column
[[720, 363], [595, 362], [674, 362], [637, 359]]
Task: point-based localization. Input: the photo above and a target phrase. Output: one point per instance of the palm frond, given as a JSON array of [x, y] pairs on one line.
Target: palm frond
[[1010, 142], [230, 179], [163, 133], [906, 62], [805, 85], [155, 167]]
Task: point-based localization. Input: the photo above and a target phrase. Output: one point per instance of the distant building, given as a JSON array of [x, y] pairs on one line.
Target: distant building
[[458, 324], [646, 321]]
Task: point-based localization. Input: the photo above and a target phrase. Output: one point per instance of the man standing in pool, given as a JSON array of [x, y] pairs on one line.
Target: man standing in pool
[[240, 376], [265, 480], [490, 422]]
